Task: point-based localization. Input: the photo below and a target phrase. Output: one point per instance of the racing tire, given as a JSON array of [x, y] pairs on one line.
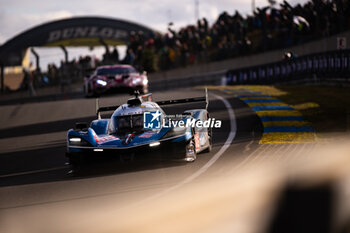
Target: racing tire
[[210, 147], [190, 152]]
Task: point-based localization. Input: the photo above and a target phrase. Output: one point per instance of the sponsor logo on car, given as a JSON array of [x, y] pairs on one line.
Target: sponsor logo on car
[[147, 134]]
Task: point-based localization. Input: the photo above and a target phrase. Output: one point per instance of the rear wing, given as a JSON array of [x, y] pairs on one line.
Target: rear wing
[[164, 102], [103, 109]]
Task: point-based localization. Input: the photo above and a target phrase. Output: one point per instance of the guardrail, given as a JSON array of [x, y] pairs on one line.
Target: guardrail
[[333, 66]]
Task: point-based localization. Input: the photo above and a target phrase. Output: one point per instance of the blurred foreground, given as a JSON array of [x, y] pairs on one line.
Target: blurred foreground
[[276, 189]]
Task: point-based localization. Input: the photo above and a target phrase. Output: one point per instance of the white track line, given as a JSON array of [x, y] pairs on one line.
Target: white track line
[[218, 154], [289, 154], [251, 157], [230, 138], [32, 172], [307, 149]]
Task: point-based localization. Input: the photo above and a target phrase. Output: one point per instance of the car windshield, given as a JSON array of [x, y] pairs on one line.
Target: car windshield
[[128, 124], [115, 71]]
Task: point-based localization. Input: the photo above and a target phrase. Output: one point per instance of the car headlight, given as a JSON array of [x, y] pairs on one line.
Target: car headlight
[[136, 81], [101, 82], [76, 141], [153, 144]]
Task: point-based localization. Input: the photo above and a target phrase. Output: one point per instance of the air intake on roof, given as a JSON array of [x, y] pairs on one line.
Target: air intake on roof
[[134, 102]]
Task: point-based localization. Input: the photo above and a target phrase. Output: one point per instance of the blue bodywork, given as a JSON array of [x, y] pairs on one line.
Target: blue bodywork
[[126, 132], [97, 137]]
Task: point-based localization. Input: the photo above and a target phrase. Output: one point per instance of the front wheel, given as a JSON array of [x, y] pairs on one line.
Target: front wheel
[[210, 141], [190, 152]]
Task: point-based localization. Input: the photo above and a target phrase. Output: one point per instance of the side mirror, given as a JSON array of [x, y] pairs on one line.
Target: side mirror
[[81, 126]]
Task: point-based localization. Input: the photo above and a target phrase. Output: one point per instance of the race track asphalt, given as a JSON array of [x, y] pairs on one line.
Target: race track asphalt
[[37, 187]]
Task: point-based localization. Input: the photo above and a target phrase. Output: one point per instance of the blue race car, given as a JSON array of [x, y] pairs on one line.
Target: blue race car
[[141, 127]]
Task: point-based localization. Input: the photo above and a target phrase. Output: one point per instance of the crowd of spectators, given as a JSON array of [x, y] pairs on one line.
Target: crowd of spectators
[[271, 27], [268, 28], [71, 71]]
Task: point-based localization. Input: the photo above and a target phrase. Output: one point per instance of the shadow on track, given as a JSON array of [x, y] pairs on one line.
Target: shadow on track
[[50, 165]]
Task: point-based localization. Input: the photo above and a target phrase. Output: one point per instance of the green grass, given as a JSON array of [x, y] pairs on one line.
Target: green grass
[[327, 108]]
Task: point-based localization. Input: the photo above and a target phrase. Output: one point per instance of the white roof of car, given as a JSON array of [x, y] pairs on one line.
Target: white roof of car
[[125, 109]]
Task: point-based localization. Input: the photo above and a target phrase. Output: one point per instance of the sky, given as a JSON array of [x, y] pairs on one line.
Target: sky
[[19, 15]]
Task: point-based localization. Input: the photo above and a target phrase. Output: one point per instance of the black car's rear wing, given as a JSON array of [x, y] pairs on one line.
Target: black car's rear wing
[[164, 102]]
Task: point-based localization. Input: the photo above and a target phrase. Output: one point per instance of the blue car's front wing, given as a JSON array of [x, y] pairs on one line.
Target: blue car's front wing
[[148, 142]]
